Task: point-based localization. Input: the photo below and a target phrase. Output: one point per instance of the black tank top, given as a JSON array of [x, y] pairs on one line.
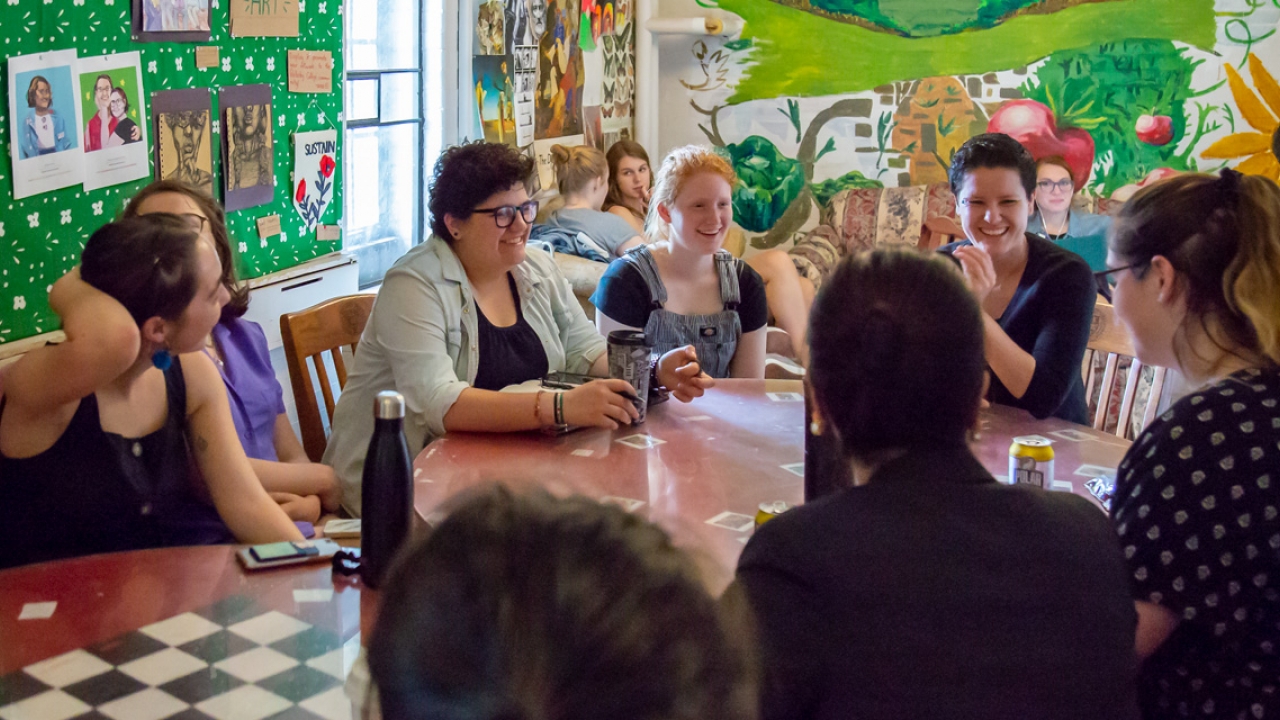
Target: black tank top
[[94, 491], [508, 355]]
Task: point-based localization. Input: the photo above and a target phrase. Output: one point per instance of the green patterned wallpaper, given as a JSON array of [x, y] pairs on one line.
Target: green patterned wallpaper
[[41, 236]]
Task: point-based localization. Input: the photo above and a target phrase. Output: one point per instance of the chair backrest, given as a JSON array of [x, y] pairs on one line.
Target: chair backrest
[[1108, 339], [309, 334]]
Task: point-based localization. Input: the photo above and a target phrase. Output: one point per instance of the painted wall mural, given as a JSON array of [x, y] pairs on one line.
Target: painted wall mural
[[815, 96]]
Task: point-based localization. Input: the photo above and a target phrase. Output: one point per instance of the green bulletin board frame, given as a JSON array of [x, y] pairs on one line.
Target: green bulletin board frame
[[41, 236]]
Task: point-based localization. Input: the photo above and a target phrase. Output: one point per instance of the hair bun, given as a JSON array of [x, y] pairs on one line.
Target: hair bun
[[560, 153]]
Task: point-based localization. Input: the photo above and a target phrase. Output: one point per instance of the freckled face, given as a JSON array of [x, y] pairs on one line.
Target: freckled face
[[701, 213]]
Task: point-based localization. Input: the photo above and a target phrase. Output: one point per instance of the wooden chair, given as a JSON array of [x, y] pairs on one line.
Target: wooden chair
[[310, 333], [1107, 337]]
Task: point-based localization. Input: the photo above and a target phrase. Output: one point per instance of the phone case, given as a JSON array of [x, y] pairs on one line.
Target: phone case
[[327, 549]]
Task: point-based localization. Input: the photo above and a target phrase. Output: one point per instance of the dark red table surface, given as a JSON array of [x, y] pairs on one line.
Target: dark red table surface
[[726, 452]]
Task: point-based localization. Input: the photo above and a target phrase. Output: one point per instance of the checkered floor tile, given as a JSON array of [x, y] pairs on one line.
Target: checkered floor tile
[[230, 661]]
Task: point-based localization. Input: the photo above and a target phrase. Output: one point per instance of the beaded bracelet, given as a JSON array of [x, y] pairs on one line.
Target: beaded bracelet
[[559, 407], [537, 407]]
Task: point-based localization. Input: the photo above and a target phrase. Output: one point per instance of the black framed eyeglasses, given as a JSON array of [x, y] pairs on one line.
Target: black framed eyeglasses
[[505, 215], [1105, 275], [1065, 185]]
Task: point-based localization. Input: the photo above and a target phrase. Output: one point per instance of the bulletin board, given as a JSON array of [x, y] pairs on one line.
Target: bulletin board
[[41, 236]]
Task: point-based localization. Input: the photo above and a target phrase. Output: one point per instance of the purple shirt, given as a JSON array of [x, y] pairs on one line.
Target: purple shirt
[[255, 395]]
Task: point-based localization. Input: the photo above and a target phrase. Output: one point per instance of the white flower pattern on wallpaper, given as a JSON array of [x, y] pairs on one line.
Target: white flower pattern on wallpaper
[[324, 7], [19, 303], [35, 258]]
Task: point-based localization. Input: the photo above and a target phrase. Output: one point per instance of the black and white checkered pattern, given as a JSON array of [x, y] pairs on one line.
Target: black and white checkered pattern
[[227, 662]]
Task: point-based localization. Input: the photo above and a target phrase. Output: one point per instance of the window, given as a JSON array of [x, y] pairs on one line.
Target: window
[[383, 161]]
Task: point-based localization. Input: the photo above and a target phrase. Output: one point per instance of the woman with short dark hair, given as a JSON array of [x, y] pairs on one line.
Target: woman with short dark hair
[[928, 589], [529, 606], [472, 311], [1037, 298], [1196, 261]]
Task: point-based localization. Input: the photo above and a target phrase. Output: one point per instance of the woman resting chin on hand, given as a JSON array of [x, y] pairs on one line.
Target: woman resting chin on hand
[[472, 311]]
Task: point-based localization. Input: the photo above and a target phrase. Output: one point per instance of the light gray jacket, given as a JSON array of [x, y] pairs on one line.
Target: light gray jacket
[[421, 341]]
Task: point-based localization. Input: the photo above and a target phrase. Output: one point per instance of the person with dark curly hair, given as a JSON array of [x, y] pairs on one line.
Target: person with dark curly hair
[[472, 311], [531, 606]]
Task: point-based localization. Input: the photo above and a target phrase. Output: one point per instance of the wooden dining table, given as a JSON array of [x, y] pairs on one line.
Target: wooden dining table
[[175, 633], [702, 469]]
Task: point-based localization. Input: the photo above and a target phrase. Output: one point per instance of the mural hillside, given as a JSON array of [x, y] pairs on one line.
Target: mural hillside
[[816, 96]]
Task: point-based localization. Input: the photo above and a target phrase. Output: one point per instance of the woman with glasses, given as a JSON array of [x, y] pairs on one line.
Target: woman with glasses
[[472, 311], [1196, 263], [126, 131], [238, 348], [1083, 233], [1037, 299]]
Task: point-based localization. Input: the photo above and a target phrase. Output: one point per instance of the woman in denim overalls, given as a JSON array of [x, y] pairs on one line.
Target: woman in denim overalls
[[687, 290]]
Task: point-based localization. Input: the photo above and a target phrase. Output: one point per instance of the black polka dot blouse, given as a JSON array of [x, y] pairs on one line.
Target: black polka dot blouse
[[1196, 505]]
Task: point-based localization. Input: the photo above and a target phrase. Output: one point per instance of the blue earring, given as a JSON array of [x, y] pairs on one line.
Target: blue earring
[[162, 359]]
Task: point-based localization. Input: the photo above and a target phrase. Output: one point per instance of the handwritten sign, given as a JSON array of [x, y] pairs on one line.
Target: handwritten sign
[[269, 226], [315, 164], [206, 56], [310, 71], [264, 18], [328, 232]]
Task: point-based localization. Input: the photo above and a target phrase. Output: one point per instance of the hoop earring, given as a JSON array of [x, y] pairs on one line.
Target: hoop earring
[[162, 359]]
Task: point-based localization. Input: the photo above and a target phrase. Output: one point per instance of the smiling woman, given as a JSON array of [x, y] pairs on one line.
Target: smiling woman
[[686, 289], [473, 310], [1037, 298]]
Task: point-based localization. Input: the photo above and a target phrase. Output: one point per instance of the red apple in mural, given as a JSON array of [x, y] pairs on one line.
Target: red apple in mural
[[1032, 124], [1154, 129]]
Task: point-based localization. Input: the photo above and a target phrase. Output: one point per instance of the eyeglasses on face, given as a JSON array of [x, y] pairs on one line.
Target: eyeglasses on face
[[505, 215], [194, 221], [1064, 185], [1105, 275]]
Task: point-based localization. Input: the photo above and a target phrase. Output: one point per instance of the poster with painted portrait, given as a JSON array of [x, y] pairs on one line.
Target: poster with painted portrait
[[115, 133], [248, 159], [44, 138], [560, 74], [171, 20], [182, 129]]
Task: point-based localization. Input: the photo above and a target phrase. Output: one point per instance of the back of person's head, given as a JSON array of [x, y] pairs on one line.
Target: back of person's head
[[1222, 236], [896, 352], [618, 152], [465, 175], [577, 166], [239, 302], [677, 168], [147, 263], [531, 607], [992, 150]]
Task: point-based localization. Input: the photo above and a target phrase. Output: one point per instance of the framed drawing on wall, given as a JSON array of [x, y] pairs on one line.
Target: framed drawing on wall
[[171, 20], [248, 158], [182, 120]]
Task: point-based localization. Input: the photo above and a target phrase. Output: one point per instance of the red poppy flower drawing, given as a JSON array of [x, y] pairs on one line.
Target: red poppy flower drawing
[[313, 206]]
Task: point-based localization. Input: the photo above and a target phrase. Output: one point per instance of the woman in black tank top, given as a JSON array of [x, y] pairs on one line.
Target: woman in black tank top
[[100, 434]]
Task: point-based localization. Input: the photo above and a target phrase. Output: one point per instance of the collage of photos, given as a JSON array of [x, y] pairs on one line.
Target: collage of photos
[[548, 71]]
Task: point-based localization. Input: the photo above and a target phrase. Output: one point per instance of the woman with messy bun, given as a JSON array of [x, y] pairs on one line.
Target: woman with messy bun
[[583, 177], [927, 584], [1196, 266]]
